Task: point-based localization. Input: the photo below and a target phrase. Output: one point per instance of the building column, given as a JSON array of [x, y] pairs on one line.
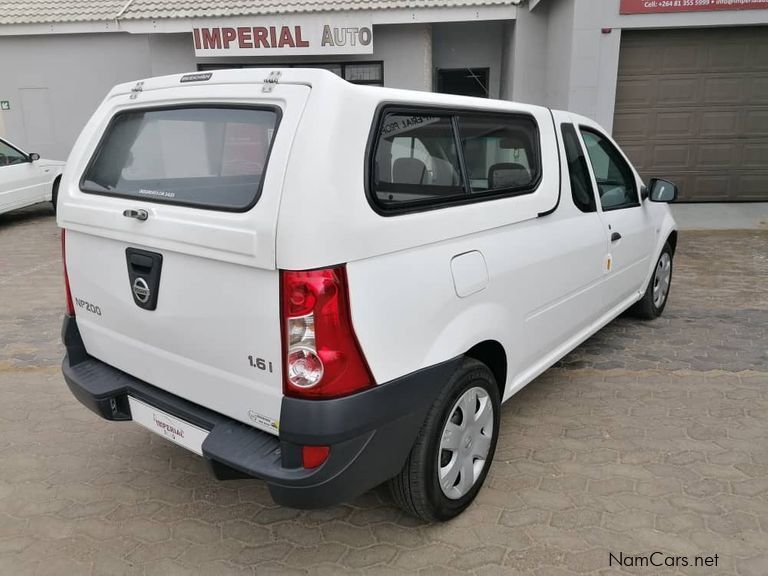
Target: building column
[[429, 73], [594, 65]]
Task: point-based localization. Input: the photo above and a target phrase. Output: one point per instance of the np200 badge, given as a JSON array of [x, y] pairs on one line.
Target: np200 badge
[[88, 306]]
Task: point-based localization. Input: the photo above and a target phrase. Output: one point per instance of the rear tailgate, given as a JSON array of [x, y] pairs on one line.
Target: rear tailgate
[[186, 299]]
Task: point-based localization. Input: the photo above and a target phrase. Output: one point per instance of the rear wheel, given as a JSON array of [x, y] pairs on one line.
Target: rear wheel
[[454, 449], [652, 304]]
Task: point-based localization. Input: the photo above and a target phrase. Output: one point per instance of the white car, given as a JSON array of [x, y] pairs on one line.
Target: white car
[[330, 286], [25, 179]]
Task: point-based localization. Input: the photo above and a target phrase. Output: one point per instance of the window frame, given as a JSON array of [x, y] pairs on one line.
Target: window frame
[[595, 199], [454, 112], [635, 188], [212, 207], [19, 150]]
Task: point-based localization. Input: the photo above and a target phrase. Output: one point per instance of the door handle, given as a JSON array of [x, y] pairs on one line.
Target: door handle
[[615, 237], [139, 263], [138, 214]]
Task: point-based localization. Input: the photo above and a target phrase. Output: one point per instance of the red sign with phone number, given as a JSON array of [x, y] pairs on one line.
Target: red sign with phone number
[[654, 6]]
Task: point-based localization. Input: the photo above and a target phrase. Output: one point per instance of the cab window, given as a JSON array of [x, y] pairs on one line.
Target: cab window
[[613, 175], [581, 184], [416, 160], [424, 159], [500, 152]]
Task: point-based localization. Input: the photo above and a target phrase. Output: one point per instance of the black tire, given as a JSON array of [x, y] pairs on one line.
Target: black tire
[[416, 489], [55, 193], [646, 308]]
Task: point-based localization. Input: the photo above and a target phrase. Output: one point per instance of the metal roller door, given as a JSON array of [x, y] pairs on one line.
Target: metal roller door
[[692, 106]]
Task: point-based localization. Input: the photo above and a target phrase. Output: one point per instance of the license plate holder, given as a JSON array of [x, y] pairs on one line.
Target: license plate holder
[[169, 427]]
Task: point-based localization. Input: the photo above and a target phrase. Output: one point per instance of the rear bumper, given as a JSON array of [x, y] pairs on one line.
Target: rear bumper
[[370, 433]]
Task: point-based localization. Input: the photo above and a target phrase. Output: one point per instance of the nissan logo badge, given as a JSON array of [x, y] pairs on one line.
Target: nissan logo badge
[[141, 290]]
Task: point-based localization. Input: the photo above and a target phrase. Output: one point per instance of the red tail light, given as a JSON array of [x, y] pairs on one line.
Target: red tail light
[[321, 355], [70, 304]]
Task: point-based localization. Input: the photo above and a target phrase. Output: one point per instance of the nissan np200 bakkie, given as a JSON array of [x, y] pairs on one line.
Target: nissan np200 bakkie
[[328, 286]]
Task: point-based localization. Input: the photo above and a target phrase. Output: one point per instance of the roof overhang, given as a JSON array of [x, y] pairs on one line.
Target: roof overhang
[[469, 13]]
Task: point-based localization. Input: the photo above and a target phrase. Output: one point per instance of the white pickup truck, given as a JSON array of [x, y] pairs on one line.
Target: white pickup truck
[[329, 286]]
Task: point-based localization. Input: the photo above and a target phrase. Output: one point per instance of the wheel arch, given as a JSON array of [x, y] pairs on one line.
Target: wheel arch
[[55, 187], [665, 233], [492, 354], [476, 332], [672, 241]]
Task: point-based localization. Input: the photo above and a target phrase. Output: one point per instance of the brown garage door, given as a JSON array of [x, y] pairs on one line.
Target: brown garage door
[[692, 106]]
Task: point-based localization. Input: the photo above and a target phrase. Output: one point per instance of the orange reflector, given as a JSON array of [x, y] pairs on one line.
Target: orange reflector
[[313, 456]]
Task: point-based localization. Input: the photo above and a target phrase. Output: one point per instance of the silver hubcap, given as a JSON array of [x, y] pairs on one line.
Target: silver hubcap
[[661, 280], [465, 443]]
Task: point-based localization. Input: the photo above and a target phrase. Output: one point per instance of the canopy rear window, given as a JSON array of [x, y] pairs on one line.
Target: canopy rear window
[[208, 157]]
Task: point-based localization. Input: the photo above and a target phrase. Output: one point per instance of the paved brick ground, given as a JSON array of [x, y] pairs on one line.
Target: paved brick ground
[[649, 437]]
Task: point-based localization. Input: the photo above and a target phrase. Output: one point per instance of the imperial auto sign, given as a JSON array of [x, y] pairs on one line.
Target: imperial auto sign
[[280, 37]]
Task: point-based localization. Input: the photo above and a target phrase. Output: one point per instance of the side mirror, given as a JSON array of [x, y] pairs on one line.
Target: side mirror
[[660, 190], [34, 156]]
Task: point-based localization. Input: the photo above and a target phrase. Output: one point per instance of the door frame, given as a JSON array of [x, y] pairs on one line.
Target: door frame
[[485, 69]]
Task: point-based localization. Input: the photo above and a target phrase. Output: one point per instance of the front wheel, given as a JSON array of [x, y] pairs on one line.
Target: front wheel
[[454, 449], [652, 304]]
